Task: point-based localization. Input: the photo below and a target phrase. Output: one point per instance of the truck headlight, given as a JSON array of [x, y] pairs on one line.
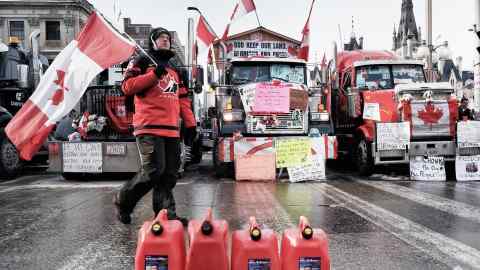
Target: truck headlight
[[232, 116], [322, 116]]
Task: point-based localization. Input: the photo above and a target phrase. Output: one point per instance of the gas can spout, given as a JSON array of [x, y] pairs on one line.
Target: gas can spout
[[304, 226], [255, 232]]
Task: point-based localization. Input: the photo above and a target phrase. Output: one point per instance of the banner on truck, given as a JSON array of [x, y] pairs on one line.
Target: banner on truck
[[468, 134], [427, 168], [467, 168], [393, 136]]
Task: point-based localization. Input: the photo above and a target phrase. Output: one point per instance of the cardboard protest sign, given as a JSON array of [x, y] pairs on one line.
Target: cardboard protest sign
[[292, 152], [468, 134], [467, 168], [255, 167], [371, 111], [313, 171], [272, 99], [427, 169], [298, 99], [393, 136], [247, 95]]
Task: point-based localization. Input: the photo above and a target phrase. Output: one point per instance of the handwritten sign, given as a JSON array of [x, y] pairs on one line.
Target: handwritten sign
[[269, 98], [468, 134], [467, 168], [82, 157], [293, 152], [256, 167], [427, 169], [298, 99], [392, 136], [313, 171], [371, 111], [247, 95]]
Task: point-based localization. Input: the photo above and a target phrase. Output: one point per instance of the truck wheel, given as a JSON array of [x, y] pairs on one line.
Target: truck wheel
[[222, 169], [10, 162], [364, 159]]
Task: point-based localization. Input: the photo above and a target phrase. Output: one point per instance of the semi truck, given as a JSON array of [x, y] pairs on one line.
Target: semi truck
[[20, 73], [233, 113], [371, 89]]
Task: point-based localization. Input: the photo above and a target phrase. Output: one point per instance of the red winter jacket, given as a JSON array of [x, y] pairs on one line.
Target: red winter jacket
[[159, 103]]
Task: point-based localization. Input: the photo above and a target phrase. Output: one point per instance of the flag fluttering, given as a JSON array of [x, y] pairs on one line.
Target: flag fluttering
[[97, 47], [304, 47], [242, 8]]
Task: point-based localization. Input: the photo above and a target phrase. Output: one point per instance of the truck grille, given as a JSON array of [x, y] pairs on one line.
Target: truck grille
[[94, 101], [292, 122]]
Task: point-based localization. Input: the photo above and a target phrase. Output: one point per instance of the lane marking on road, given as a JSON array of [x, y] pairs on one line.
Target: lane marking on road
[[446, 205], [436, 245]]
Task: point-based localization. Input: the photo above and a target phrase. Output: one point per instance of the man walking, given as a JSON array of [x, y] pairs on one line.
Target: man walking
[[160, 100]]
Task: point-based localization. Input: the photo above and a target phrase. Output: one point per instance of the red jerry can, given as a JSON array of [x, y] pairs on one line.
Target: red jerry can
[[305, 248], [208, 244], [255, 249], [161, 244]]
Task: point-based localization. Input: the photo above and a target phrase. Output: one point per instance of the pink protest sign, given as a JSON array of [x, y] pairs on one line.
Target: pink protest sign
[[272, 99]]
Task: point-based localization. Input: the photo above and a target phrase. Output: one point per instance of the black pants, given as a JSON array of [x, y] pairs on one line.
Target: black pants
[[160, 160]]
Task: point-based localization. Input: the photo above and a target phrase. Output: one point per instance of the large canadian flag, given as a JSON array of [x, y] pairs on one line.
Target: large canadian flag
[[242, 8], [305, 46], [97, 47]]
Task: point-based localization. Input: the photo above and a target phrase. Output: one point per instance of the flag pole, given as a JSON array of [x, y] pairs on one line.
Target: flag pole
[[258, 20]]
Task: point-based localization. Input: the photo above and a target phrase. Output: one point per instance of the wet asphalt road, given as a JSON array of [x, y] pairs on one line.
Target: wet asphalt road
[[383, 222]]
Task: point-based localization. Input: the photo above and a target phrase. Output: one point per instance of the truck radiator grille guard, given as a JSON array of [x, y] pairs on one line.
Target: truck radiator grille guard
[[294, 122], [94, 101]]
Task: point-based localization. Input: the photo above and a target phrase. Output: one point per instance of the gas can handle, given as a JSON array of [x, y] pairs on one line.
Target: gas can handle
[[305, 229], [162, 216]]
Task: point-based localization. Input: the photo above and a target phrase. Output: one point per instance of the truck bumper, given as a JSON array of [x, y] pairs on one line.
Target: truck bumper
[[446, 149], [93, 157]]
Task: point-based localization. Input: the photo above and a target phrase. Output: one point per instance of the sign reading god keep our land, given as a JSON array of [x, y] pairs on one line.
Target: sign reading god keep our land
[[82, 157], [467, 168], [293, 152], [273, 99], [468, 134], [427, 169], [371, 111], [393, 136]]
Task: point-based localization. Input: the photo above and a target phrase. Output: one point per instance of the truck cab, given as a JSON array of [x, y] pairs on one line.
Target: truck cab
[[235, 112], [372, 87]]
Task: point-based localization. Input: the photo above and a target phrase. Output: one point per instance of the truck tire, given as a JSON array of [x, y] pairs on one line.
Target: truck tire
[[363, 158], [10, 162], [222, 169]]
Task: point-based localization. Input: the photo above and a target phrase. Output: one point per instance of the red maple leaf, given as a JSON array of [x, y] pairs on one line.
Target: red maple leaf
[[57, 97], [292, 51], [430, 115]]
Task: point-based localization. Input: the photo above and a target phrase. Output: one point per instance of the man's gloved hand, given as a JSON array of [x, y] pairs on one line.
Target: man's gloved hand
[[189, 136], [161, 70]]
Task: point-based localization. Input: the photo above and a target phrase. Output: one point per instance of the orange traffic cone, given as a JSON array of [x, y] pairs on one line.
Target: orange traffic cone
[[161, 244], [305, 248]]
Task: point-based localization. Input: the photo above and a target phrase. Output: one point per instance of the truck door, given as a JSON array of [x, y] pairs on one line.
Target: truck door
[[342, 119]]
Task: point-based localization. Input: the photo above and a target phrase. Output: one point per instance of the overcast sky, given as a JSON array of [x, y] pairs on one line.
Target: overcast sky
[[373, 19]]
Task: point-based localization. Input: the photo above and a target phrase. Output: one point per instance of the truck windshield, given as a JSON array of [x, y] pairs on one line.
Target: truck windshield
[[380, 76], [263, 72]]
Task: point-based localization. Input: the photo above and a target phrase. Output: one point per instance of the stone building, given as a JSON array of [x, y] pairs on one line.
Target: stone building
[[59, 22], [407, 29]]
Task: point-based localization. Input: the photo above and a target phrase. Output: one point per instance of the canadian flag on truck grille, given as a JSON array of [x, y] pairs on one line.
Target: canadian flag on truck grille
[[96, 48]]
